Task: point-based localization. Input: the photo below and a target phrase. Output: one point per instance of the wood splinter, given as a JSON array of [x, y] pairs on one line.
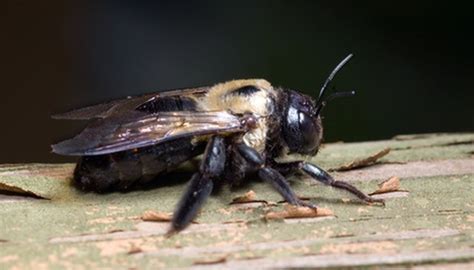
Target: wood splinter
[[156, 216], [389, 185], [292, 211]]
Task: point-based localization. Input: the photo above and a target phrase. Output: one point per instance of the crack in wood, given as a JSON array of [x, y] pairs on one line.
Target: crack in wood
[[409, 170], [347, 260], [146, 229], [466, 142], [232, 248]]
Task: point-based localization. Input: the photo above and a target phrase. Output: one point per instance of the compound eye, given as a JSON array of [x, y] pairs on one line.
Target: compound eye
[[306, 123], [308, 129]]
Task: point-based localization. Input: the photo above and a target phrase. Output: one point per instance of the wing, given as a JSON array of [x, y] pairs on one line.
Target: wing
[[138, 129], [128, 104]]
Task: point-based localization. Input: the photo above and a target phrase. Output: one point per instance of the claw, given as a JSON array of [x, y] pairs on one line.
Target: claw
[[307, 204], [172, 231], [371, 200]]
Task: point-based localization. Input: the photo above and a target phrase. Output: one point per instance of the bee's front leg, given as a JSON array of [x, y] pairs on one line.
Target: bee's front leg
[[201, 184], [322, 176], [270, 175]]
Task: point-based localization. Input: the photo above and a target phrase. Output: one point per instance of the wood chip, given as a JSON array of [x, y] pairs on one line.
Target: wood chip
[[134, 250], [364, 162], [238, 221], [292, 211], [156, 216], [249, 197], [14, 190], [390, 185], [116, 230], [211, 261]]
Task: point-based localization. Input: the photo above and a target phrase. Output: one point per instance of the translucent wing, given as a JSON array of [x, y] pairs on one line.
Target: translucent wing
[[126, 105], [138, 129]]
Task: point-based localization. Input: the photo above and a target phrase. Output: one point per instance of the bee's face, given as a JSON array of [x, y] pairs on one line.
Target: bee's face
[[301, 127]]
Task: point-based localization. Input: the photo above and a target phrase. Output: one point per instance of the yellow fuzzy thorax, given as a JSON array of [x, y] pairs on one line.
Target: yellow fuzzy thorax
[[259, 104], [217, 98]]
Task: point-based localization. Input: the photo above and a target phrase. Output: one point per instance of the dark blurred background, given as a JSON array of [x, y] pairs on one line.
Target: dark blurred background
[[413, 68]]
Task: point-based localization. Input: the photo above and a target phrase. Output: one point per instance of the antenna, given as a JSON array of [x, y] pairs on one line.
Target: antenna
[[339, 95], [329, 79], [331, 97]]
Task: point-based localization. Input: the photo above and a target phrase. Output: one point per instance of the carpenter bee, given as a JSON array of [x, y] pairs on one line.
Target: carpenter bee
[[241, 127]]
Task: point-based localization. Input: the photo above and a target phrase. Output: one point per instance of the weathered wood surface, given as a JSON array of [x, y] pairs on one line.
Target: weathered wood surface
[[46, 223]]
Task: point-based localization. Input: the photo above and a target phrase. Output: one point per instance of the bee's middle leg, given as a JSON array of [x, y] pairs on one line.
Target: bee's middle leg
[[270, 175], [201, 184]]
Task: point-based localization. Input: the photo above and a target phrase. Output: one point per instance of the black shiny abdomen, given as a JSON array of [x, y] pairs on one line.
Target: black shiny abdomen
[[123, 170]]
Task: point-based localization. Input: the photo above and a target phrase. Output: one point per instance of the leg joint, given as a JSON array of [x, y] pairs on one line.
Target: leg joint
[[251, 155], [317, 173], [213, 162]]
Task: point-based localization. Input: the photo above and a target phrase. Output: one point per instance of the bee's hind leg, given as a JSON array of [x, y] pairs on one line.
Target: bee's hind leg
[[201, 184], [322, 176]]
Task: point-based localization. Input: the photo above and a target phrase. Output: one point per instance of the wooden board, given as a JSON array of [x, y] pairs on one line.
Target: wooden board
[[47, 223]]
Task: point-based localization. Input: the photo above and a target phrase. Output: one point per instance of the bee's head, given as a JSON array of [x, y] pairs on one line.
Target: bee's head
[[302, 129]]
